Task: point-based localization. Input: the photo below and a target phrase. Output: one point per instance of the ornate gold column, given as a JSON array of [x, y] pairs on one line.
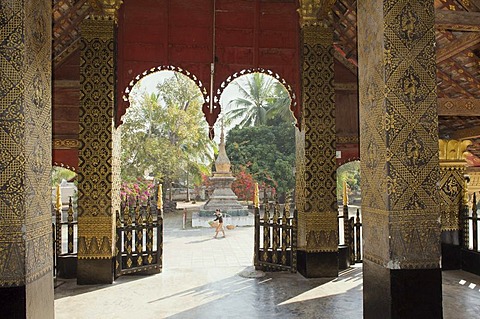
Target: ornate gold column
[[26, 284], [399, 159], [452, 192], [316, 163], [98, 172]]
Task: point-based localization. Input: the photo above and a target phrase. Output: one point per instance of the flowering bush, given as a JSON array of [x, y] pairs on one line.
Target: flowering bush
[[139, 190], [244, 185]]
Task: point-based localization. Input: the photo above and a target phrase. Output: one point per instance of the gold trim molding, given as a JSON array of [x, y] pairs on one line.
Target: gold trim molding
[[315, 12], [347, 139], [66, 144], [458, 107], [106, 8], [452, 152]]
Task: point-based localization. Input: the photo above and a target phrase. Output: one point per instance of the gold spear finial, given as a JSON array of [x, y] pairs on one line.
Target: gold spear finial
[[256, 198], [345, 195], [58, 198], [159, 197]]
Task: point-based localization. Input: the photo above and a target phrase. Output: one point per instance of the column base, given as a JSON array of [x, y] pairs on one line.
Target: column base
[[471, 261], [405, 293], [343, 257], [67, 267], [35, 300], [13, 302], [95, 271], [451, 257], [317, 265]]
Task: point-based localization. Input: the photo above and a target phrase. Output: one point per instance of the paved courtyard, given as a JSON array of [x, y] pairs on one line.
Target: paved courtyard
[[212, 278]]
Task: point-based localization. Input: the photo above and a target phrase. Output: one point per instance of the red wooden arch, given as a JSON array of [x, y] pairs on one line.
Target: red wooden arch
[[276, 76], [241, 35]]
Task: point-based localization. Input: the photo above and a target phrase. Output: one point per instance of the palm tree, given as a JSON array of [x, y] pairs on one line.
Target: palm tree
[[261, 97]]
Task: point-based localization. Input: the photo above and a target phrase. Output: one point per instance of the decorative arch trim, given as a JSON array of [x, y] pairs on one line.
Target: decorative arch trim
[[190, 75], [293, 98], [347, 160], [138, 77], [62, 165]]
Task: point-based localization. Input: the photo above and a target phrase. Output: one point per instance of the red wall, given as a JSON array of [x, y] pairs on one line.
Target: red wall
[[249, 34]]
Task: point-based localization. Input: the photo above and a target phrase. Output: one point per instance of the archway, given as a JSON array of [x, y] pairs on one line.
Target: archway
[[177, 144], [260, 143]]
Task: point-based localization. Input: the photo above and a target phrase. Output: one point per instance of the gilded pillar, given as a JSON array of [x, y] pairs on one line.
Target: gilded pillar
[[399, 159], [316, 163], [98, 172], [452, 193], [26, 283]]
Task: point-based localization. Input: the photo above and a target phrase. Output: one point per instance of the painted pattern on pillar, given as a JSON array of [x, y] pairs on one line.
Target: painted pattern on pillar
[[399, 133], [96, 179], [452, 181], [25, 136], [318, 218]]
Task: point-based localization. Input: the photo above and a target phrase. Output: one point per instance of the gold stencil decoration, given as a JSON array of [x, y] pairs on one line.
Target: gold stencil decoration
[[317, 230], [452, 181], [314, 12], [25, 136], [97, 176], [106, 8], [399, 133]]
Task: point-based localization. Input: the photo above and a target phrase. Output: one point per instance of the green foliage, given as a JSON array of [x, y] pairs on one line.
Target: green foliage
[[265, 152], [349, 172], [60, 173], [262, 97], [164, 134]]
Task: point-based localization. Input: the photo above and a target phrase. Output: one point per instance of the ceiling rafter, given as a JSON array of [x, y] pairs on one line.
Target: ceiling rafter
[[457, 20], [458, 87], [467, 133], [462, 43]]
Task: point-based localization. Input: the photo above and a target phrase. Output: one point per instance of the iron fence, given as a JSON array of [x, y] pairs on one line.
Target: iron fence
[[139, 239], [275, 238]]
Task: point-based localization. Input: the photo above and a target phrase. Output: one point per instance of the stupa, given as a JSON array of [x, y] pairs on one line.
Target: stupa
[[223, 197]]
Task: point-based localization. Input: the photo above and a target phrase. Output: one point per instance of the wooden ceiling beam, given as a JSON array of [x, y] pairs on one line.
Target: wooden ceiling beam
[[346, 86], [457, 20], [462, 43], [465, 134], [458, 107], [346, 62], [475, 3], [458, 88]]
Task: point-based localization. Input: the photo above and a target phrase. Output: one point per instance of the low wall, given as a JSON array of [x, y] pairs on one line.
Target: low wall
[[202, 221]]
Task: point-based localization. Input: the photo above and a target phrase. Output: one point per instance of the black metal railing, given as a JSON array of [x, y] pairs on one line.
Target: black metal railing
[[275, 238], [64, 242], [470, 225], [139, 239], [355, 239]]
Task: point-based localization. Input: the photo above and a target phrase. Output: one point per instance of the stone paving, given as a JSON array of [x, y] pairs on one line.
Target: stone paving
[[214, 278]]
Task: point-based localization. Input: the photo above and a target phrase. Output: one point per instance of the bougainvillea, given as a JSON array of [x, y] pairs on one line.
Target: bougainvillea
[[139, 190], [244, 185]]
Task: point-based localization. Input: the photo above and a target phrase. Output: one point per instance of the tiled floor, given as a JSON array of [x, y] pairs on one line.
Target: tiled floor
[[213, 278]]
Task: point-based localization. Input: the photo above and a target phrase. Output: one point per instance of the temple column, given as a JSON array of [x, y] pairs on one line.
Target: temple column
[[399, 159], [452, 193], [98, 171], [26, 261], [316, 198]]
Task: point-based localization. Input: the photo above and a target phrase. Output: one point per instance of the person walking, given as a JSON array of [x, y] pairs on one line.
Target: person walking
[[219, 217]]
